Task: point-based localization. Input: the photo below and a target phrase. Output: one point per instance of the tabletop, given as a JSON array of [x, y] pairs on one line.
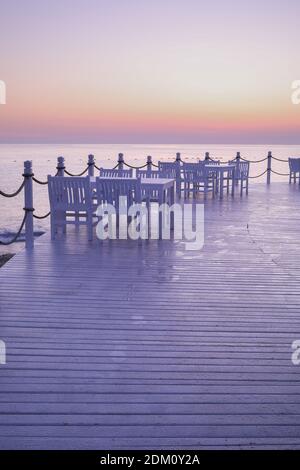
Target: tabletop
[[222, 166], [144, 181]]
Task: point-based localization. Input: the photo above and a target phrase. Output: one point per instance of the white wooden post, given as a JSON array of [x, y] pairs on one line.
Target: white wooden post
[[91, 162], [178, 174], [238, 159], [149, 162], [60, 166], [269, 168], [121, 161], [28, 204], [207, 157]]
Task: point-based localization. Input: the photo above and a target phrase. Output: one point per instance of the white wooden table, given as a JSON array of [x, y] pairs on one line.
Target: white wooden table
[[221, 170], [165, 188]]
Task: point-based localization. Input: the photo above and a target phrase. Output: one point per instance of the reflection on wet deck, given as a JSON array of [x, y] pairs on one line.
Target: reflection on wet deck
[[146, 345]]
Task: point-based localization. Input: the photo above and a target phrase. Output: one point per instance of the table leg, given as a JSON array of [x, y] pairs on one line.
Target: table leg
[[221, 184], [160, 214], [172, 201]]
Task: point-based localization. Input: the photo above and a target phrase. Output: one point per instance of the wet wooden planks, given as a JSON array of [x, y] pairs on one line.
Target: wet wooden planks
[[146, 345]]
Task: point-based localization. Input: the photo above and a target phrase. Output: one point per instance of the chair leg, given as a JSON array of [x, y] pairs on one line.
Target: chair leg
[[90, 226], [64, 218], [53, 227], [205, 192]]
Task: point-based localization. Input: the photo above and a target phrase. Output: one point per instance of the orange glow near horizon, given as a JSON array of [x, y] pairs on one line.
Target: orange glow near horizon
[[152, 73]]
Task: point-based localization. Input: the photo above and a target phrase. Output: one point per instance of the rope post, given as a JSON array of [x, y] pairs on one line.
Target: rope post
[[207, 157], [149, 163], [121, 161], [60, 166], [178, 174], [28, 204], [269, 168], [91, 163], [237, 159]]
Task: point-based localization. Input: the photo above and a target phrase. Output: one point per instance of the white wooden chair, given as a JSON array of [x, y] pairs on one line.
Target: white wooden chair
[[174, 172], [115, 173], [71, 202], [239, 176], [197, 179], [109, 190], [294, 165], [210, 162], [213, 175], [243, 176], [154, 174], [169, 167]]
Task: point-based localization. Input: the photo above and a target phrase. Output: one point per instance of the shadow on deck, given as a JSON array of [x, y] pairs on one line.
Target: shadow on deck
[[146, 345]]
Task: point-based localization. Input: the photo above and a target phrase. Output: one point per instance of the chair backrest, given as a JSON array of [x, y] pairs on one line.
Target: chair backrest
[[210, 162], [115, 173], [154, 174], [294, 164], [192, 166], [194, 171], [110, 189], [69, 193], [242, 169], [171, 168]]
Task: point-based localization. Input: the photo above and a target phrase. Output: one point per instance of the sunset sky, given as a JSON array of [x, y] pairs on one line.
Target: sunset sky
[[149, 71]]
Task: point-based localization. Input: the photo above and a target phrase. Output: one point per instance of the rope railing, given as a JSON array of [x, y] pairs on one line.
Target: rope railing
[[258, 176], [38, 181], [279, 174], [254, 161], [40, 217], [9, 195], [135, 167], [78, 174], [98, 168], [16, 236], [279, 159]]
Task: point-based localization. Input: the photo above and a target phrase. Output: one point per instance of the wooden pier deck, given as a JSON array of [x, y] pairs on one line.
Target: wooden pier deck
[[127, 345]]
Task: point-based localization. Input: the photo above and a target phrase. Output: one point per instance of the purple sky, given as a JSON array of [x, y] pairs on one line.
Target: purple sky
[[117, 71]]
